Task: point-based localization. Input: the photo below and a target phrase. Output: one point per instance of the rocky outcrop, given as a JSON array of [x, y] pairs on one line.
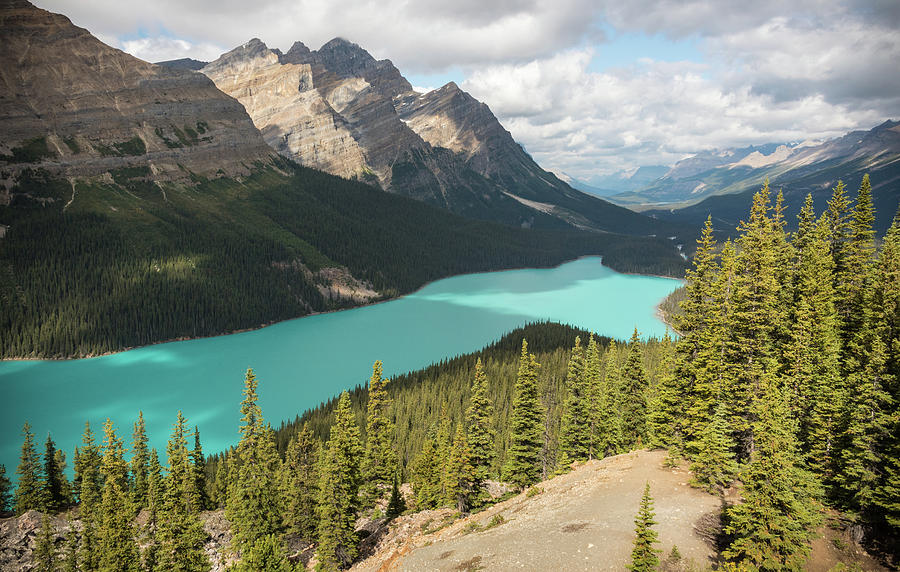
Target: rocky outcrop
[[74, 106]]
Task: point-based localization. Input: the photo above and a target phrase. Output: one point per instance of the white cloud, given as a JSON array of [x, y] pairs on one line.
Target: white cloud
[[163, 48]]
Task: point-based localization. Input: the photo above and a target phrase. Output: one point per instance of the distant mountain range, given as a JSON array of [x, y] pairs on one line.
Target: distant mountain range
[[720, 182]]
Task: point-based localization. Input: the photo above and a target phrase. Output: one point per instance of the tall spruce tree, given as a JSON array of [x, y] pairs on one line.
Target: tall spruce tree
[[254, 501], [338, 490], [479, 418], [426, 475], [5, 490], [198, 471], [522, 463], [575, 435], [301, 484], [30, 491], [55, 484], [755, 298], [45, 557], [666, 415], [460, 474], [140, 457], [117, 547], [644, 556], [714, 466], [380, 459], [180, 534], [594, 386], [772, 527], [150, 554], [633, 396], [88, 485], [608, 416]]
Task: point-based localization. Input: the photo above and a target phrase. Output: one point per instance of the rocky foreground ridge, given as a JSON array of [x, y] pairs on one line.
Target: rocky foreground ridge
[[75, 107]]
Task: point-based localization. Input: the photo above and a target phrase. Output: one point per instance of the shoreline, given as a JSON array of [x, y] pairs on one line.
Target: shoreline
[[382, 301]]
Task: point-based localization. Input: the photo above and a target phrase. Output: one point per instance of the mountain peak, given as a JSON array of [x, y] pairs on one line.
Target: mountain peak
[[297, 48]]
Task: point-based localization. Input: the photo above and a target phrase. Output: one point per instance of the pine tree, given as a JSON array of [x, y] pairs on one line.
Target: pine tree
[[65, 487], [396, 504], [88, 484], [714, 466], [459, 475], [338, 490], [70, 557], [443, 445], [44, 557], [29, 492], [179, 532], [886, 301], [755, 296], [254, 502], [198, 470], [837, 217], [220, 484], [594, 388], [379, 460], [117, 548], [634, 396], [575, 436], [609, 421], [55, 484], [155, 509], [301, 482], [644, 556], [139, 464], [481, 435], [267, 554], [426, 476], [521, 468], [772, 527], [5, 490], [665, 418]]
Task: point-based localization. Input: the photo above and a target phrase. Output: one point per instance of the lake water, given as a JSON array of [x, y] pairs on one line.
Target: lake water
[[302, 362]]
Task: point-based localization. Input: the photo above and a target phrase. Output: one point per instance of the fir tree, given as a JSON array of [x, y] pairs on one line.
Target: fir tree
[[644, 556], [139, 464], [481, 435], [179, 532], [444, 443], [254, 501], [338, 490], [267, 554], [634, 396], [594, 387], [155, 509], [379, 460], [29, 492], [55, 484], [65, 486], [70, 557], [5, 490], [88, 484], [772, 527], [117, 548], [198, 470], [220, 484], [666, 414], [459, 474], [301, 482], [521, 468], [396, 504], [609, 422], [575, 436], [45, 558], [426, 476], [714, 466]]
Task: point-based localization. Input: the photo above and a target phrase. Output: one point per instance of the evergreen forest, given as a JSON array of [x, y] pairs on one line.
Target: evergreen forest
[[784, 380], [134, 262]]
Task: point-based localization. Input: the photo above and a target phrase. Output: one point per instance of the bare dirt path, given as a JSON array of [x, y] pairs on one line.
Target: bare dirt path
[[583, 520]]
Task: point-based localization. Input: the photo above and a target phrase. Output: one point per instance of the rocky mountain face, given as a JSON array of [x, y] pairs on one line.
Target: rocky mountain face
[[75, 107], [808, 164], [340, 110]]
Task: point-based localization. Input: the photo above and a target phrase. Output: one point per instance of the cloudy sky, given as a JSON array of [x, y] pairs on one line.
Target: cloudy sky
[[589, 87]]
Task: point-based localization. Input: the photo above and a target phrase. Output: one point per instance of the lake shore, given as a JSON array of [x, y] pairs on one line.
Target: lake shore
[[365, 305]]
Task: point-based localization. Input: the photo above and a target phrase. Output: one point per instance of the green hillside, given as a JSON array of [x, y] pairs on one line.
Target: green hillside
[[135, 261]]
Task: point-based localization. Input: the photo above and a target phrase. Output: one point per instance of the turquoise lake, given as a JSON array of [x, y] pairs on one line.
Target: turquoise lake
[[302, 362]]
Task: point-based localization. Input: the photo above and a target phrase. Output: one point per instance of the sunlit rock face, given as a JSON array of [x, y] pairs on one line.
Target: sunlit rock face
[[73, 106]]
